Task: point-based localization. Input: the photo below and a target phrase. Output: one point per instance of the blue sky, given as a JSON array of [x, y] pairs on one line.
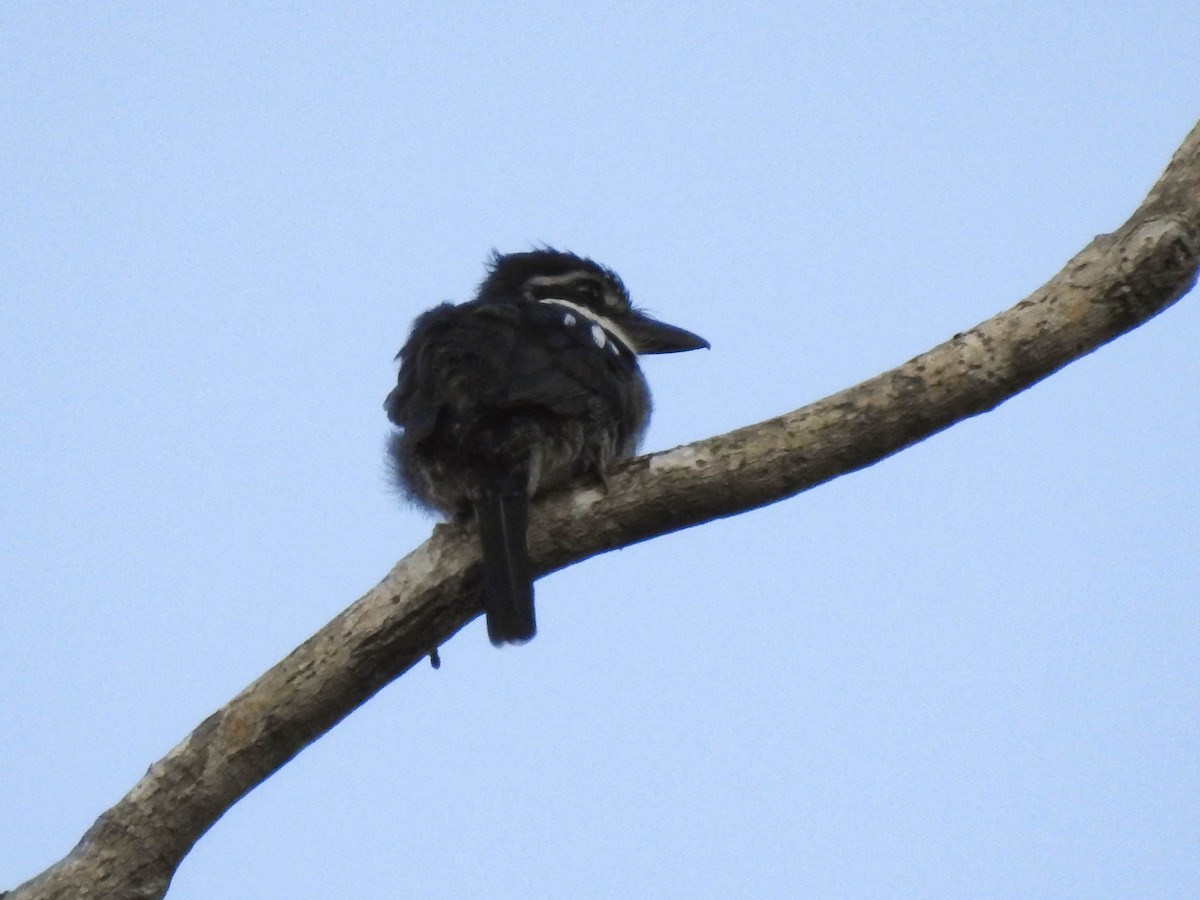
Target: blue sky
[[969, 670]]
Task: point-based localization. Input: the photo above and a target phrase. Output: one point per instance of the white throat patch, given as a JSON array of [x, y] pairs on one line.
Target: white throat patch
[[598, 321]]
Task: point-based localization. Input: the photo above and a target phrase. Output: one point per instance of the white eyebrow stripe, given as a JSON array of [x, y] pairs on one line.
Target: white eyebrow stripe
[[614, 330], [557, 280]]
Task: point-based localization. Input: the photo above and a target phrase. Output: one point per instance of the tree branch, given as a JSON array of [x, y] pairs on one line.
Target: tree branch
[[1116, 283]]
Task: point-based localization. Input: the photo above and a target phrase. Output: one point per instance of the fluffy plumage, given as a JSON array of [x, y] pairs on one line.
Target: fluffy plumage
[[526, 388]]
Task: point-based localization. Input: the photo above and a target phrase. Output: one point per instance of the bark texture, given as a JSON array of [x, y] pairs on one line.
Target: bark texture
[[1116, 283]]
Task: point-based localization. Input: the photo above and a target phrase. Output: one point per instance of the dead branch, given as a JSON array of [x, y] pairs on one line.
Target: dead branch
[[1116, 283]]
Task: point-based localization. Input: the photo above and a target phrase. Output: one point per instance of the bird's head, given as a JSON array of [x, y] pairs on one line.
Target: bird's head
[[576, 284]]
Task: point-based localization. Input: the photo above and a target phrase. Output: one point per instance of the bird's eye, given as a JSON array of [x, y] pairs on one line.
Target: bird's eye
[[589, 293]]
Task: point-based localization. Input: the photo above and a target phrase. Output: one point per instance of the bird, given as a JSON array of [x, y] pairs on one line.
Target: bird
[[529, 387]]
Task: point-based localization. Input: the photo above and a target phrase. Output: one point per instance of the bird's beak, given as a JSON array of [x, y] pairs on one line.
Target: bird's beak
[[652, 336]]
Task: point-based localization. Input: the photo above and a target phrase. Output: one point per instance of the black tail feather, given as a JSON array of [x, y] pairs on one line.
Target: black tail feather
[[507, 585]]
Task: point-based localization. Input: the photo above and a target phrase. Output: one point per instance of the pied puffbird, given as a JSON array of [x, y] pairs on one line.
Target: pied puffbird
[[531, 385]]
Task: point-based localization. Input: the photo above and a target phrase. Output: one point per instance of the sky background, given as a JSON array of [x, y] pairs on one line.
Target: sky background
[[968, 671]]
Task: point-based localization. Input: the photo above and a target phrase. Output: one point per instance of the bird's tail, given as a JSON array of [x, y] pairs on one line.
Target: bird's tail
[[507, 586]]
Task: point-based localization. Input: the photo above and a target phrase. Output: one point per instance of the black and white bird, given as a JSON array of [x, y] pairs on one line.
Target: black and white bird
[[526, 388]]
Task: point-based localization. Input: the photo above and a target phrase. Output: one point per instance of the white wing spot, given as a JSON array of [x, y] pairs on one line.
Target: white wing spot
[[611, 333], [568, 320]]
